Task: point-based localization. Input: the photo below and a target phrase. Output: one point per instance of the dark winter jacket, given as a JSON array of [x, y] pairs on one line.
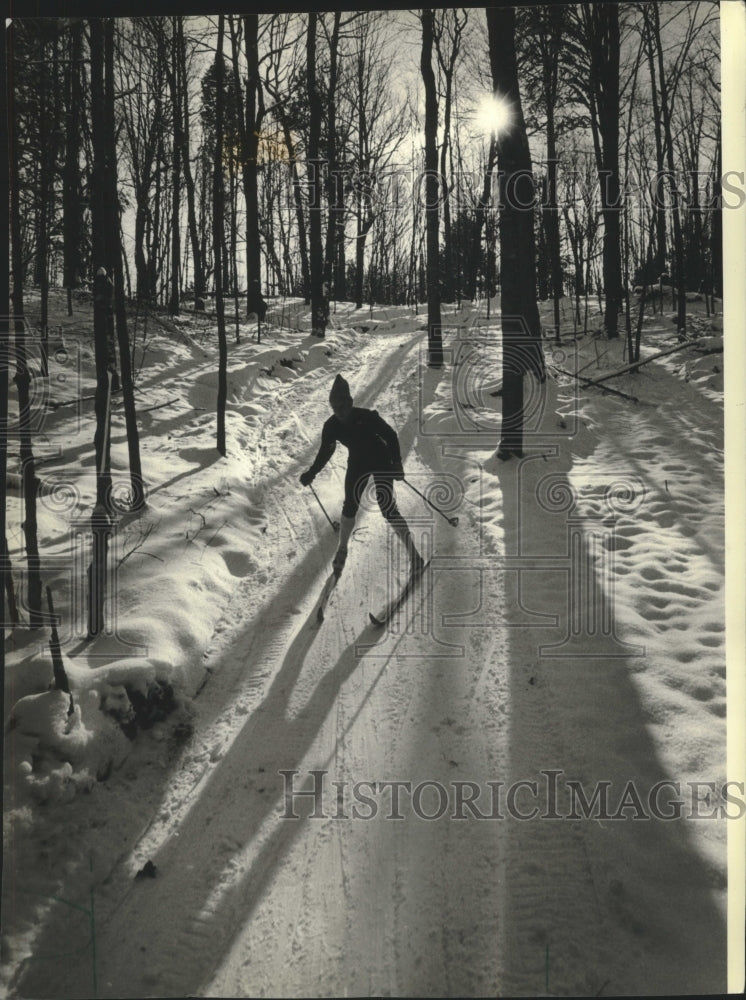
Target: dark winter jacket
[[372, 444]]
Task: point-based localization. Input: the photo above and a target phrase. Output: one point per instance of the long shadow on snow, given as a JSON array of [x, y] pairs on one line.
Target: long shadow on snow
[[185, 922], [35, 977], [624, 905]]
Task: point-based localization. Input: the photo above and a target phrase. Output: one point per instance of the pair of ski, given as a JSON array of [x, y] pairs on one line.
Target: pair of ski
[[389, 609]]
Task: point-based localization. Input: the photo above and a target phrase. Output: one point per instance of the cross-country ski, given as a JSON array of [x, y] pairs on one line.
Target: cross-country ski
[[390, 608]]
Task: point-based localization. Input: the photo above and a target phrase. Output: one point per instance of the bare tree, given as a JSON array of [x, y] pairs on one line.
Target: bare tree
[[319, 294], [448, 28], [334, 180], [71, 185], [545, 25], [177, 144], [595, 84], [102, 319], [142, 70], [281, 72], [254, 114], [22, 372], [521, 330], [114, 258], [376, 130], [218, 202], [432, 191]]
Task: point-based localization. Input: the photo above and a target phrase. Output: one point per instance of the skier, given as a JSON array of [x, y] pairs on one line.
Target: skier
[[373, 450]]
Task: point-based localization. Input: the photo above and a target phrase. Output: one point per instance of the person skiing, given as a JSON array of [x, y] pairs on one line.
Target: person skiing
[[373, 450]]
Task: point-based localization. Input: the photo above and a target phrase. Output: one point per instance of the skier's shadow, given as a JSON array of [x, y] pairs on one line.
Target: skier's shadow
[[245, 793]]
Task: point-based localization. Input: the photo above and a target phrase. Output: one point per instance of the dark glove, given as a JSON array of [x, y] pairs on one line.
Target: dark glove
[[397, 471], [306, 478]]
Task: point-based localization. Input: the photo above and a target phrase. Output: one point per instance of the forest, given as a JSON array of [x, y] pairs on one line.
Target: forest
[[227, 163], [503, 227]]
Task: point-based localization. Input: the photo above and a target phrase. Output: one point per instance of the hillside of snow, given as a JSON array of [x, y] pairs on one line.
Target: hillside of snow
[[568, 639]]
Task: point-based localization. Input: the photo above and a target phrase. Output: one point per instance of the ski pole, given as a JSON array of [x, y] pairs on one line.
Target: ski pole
[[451, 520], [334, 524]]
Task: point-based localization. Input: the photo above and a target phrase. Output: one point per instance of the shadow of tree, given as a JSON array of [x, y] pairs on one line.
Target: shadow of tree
[[629, 904]]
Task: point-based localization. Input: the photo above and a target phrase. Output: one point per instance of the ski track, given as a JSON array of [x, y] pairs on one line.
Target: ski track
[[248, 903]]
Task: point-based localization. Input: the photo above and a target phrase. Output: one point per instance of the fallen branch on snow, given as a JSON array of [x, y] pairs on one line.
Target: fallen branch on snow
[[604, 388], [638, 364]]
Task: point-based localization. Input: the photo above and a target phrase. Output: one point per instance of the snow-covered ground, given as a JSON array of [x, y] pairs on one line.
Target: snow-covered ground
[[567, 640]]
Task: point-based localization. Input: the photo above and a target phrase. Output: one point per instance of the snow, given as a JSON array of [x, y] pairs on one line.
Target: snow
[[570, 629]]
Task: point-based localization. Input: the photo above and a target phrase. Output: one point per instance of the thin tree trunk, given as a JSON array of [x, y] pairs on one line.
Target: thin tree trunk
[[334, 180], [659, 200], [675, 207], [319, 300], [218, 199], [608, 122], [250, 116], [174, 306], [71, 194], [432, 191], [8, 587], [447, 66], [363, 186], [182, 86], [102, 319], [114, 258], [22, 374], [554, 25], [716, 239], [46, 193], [480, 215], [305, 269]]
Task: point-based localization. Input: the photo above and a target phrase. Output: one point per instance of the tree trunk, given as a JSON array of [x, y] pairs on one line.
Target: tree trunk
[[174, 305], [218, 202], [716, 238], [542, 262], [102, 302], [334, 183], [675, 207], [659, 199], [102, 320], [601, 26], [363, 201], [22, 374], [114, 259], [71, 193], [298, 201], [432, 192], [521, 329], [553, 40], [447, 66], [183, 89], [47, 80], [474, 255], [254, 301], [319, 294]]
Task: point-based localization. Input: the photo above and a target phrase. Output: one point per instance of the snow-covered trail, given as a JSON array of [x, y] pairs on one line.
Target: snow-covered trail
[[464, 693], [276, 905]]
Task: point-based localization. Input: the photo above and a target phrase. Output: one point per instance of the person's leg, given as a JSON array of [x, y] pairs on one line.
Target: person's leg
[[354, 486], [386, 498]]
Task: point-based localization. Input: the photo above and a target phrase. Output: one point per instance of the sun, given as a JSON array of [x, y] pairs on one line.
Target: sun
[[493, 114]]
